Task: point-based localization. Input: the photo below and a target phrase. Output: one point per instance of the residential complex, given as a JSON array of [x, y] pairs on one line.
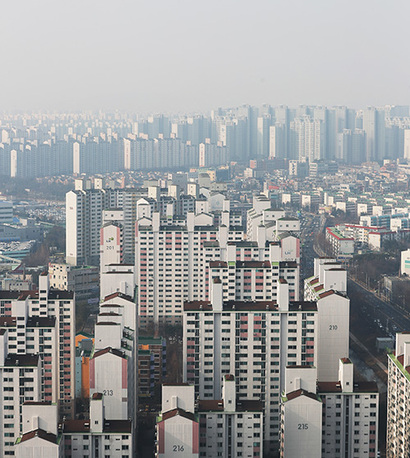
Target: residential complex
[[258, 340], [38, 331], [329, 419], [88, 144]]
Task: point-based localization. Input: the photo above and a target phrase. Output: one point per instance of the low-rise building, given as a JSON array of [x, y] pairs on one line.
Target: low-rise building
[[342, 247], [405, 263]]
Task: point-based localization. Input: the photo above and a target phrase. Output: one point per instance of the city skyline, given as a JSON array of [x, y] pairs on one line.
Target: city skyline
[[205, 229]]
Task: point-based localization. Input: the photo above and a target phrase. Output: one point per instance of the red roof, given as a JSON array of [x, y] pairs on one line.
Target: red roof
[[114, 351], [41, 434], [297, 393], [180, 412], [118, 294]]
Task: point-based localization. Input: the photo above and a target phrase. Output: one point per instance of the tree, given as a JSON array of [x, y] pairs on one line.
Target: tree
[[55, 237]]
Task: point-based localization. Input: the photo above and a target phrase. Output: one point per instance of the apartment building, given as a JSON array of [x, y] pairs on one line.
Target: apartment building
[[210, 428], [43, 322], [40, 435], [98, 436], [230, 427], [342, 247], [84, 281], [328, 288], [171, 264], [255, 342], [177, 425], [21, 382], [301, 414], [398, 404], [330, 418], [83, 222], [176, 256], [350, 415]]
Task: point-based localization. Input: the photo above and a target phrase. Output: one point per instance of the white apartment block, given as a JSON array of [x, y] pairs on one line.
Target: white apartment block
[[210, 428], [99, 436], [175, 257], [230, 427], [21, 382], [328, 274], [328, 288], [117, 278], [177, 426], [43, 323], [350, 415], [398, 401], [115, 353], [40, 436], [43, 436], [171, 265], [83, 223], [329, 419], [360, 233], [342, 247], [254, 341], [111, 244], [301, 414]]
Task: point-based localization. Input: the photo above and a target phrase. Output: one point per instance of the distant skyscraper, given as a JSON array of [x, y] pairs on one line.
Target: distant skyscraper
[[263, 124], [309, 138], [407, 144], [374, 126]]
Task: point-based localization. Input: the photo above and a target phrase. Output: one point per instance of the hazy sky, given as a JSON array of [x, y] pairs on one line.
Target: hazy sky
[[192, 55]]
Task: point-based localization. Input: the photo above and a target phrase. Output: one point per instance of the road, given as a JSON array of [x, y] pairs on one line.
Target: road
[[392, 318], [370, 317], [382, 366]]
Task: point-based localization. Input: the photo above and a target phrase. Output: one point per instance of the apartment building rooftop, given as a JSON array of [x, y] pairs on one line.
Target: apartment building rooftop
[[49, 437], [34, 294], [175, 412], [110, 426], [114, 351], [120, 295], [215, 405], [358, 387], [295, 394], [41, 321], [8, 321], [18, 360], [249, 306]]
